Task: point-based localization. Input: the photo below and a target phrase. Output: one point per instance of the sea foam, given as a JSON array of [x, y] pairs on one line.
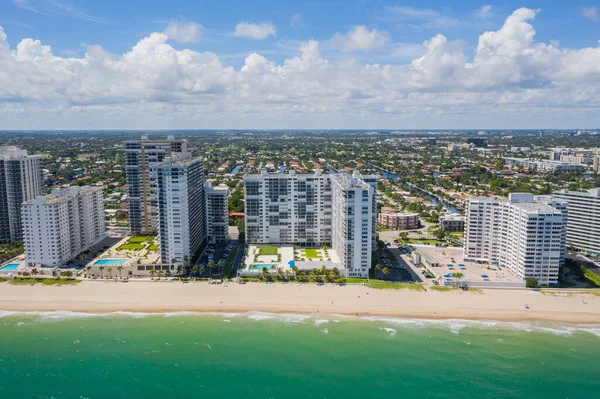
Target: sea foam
[[453, 325]]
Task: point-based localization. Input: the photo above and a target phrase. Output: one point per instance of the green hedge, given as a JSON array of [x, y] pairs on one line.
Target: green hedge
[[590, 275]]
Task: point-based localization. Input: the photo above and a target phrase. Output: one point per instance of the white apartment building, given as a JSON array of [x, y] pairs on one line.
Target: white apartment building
[[60, 226], [352, 222], [181, 208], [217, 213], [543, 166], [525, 234], [300, 209], [21, 179], [583, 227], [288, 208], [140, 156]]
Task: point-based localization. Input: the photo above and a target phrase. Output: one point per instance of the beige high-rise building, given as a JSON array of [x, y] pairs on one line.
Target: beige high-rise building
[[140, 156]]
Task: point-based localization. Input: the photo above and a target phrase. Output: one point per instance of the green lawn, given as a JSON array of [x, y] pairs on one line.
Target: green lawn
[[443, 288], [153, 247], [386, 285], [140, 239], [312, 253], [427, 241], [272, 251], [131, 247], [356, 280]]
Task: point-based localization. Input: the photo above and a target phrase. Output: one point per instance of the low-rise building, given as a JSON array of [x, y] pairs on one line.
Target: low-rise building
[[451, 222], [399, 221], [543, 166]]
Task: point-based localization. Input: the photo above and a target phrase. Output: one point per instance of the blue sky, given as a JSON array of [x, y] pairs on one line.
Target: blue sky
[[347, 38], [115, 25]]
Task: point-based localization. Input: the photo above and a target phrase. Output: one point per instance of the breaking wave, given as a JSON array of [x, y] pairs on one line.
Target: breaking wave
[[391, 325]]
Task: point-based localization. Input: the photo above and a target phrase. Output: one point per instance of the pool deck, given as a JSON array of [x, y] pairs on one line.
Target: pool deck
[[473, 271], [287, 255]]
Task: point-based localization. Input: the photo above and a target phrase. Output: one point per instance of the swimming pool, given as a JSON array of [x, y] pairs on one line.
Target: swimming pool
[[449, 275], [110, 262], [10, 267], [259, 266]]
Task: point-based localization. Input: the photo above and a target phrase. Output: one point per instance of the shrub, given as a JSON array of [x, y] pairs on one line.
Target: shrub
[[531, 282]]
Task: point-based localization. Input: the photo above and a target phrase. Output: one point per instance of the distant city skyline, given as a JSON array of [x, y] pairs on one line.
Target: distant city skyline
[[299, 64]]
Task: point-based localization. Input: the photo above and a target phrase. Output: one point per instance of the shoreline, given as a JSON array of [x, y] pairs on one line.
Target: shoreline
[[489, 305]]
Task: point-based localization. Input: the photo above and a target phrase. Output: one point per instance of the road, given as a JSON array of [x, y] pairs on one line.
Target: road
[[403, 260]]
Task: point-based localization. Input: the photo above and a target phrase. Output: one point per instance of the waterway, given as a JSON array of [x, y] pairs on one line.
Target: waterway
[[433, 198], [235, 169]]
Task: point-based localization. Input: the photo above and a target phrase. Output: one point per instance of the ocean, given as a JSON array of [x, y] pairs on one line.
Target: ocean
[[259, 355]]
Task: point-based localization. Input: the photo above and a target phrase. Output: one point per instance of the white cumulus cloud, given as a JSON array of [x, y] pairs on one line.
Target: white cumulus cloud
[[184, 32], [255, 31], [360, 38], [591, 12], [509, 77]]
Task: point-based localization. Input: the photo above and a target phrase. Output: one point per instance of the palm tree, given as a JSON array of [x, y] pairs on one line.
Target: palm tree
[[385, 270], [186, 261], [55, 273], [179, 270], [89, 268], [34, 272], [195, 271], [101, 268], [153, 273], [168, 273], [295, 269], [119, 268], [110, 271], [210, 265], [42, 273], [82, 257], [160, 273]]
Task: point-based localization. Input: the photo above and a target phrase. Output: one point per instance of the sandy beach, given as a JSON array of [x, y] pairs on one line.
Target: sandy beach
[[502, 305]]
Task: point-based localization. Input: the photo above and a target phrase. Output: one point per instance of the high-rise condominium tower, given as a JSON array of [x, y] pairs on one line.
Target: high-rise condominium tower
[[310, 210], [181, 208], [583, 227], [217, 213], [60, 226], [353, 206], [524, 234], [140, 156], [21, 179]]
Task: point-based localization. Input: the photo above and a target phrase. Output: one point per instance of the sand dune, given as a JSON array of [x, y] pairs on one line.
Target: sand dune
[[504, 305]]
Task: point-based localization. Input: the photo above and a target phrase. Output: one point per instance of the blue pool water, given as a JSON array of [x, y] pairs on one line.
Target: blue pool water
[[259, 266], [9, 267], [110, 262], [449, 275]]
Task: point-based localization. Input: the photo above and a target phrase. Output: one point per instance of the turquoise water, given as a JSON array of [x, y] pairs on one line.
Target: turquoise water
[[113, 262], [257, 355], [10, 267]]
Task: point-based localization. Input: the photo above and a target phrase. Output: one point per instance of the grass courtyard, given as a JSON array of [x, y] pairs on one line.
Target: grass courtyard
[[139, 243], [268, 251], [312, 253]]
